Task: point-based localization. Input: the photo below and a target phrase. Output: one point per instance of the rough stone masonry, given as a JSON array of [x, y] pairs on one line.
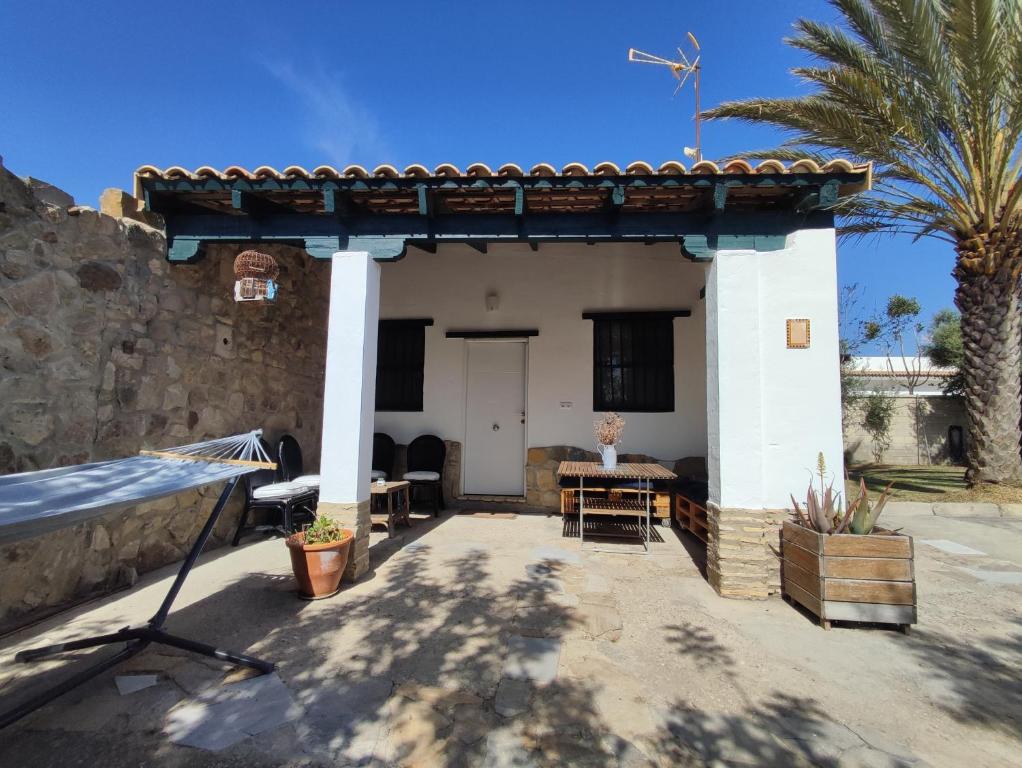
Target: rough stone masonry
[[106, 349]]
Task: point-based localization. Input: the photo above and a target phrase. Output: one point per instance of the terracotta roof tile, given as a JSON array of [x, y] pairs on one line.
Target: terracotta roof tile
[[639, 167]]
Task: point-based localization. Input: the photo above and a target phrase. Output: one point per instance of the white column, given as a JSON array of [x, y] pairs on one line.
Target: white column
[[349, 397], [770, 410], [733, 380]]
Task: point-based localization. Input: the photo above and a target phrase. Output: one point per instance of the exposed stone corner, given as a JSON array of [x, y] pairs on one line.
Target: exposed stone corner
[[742, 554]]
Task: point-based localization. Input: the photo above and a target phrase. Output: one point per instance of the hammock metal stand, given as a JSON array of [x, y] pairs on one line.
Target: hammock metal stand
[[136, 638]]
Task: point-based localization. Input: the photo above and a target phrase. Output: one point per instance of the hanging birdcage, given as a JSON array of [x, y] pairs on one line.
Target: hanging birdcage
[[261, 266], [256, 275]]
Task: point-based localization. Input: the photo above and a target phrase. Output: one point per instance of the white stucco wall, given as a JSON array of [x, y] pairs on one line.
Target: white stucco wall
[[549, 290], [771, 409], [350, 378]]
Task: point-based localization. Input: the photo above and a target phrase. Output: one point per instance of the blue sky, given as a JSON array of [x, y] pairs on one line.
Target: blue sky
[[88, 92]]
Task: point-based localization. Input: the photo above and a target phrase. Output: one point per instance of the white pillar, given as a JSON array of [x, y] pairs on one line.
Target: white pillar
[[349, 398], [771, 410]]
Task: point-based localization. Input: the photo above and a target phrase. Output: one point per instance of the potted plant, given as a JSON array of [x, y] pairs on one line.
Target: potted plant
[[608, 434], [841, 565], [318, 557]]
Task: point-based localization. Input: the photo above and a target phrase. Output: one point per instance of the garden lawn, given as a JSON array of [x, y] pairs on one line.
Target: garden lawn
[[928, 483]]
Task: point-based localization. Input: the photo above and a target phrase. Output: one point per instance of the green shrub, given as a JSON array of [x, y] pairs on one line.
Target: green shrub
[[877, 416]]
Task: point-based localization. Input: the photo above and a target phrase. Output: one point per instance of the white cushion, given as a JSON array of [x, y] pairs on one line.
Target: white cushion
[[280, 490], [422, 475], [377, 474], [311, 481]]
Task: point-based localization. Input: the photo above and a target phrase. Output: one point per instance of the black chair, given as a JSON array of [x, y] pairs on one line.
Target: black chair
[[273, 491], [291, 464], [383, 456], [426, 455]]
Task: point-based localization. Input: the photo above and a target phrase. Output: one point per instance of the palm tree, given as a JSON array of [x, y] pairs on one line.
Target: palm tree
[[931, 92]]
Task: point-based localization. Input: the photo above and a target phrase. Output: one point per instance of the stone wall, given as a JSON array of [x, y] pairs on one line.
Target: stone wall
[[918, 431], [743, 551], [105, 349]]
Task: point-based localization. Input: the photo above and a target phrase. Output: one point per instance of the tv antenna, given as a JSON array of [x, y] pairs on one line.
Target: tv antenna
[[682, 69]]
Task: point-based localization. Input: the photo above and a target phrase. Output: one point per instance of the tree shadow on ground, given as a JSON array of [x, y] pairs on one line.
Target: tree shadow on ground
[[405, 670], [977, 676], [920, 482], [778, 730]]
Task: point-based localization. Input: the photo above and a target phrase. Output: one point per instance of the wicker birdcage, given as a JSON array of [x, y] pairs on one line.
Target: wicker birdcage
[[260, 266]]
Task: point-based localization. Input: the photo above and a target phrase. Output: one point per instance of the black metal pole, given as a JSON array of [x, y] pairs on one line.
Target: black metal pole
[[31, 705], [161, 615], [138, 638]]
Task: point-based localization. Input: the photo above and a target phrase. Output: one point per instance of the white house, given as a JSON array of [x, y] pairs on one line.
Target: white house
[[701, 303], [927, 426]]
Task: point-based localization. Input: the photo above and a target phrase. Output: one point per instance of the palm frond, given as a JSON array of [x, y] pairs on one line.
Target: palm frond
[[926, 89]]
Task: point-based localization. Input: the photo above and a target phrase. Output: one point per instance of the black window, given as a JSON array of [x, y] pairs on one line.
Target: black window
[[400, 355], [633, 361]]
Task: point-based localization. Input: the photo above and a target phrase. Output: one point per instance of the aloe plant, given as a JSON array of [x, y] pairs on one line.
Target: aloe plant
[[822, 511], [823, 507], [866, 512]]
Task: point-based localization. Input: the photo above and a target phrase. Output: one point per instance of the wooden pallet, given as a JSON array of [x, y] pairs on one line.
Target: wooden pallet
[[691, 517], [660, 506]]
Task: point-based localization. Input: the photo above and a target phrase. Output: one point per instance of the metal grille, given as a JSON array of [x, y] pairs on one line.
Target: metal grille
[[633, 363], [400, 356]]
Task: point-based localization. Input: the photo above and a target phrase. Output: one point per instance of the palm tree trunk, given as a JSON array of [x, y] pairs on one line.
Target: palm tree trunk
[[992, 340]]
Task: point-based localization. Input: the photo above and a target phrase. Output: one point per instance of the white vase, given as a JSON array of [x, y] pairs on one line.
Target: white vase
[[609, 454]]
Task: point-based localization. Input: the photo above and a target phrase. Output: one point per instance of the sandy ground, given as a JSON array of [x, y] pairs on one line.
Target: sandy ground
[[483, 640]]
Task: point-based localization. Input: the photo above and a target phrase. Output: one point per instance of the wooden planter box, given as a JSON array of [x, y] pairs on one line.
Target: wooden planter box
[[845, 577]]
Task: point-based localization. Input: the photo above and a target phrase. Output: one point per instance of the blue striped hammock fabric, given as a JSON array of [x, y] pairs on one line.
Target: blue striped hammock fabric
[[36, 503]]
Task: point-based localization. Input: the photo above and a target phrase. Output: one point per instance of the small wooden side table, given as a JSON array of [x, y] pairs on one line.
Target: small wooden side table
[[398, 496]]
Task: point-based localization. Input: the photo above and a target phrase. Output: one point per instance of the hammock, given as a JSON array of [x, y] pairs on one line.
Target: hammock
[[36, 503], [33, 503]]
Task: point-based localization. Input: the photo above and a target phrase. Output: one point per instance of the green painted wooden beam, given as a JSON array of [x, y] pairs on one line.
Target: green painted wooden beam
[[828, 194], [519, 201], [719, 196], [184, 250], [425, 209], [386, 237]]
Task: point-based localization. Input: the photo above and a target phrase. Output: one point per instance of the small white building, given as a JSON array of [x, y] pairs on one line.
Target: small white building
[[503, 310], [928, 427]]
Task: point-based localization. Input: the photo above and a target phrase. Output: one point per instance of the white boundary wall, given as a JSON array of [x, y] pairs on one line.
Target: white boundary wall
[[771, 409], [549, 290]]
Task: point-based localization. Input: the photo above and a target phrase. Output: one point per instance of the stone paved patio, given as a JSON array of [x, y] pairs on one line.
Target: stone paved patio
[[494, 641]]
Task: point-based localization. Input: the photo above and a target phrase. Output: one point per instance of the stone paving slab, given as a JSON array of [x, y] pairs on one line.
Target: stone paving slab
[[532, 658], [128, 684], [344, 720], [960, 509], [997, 578], [513, 697], [223, 716], [556, 554], [951, 547]]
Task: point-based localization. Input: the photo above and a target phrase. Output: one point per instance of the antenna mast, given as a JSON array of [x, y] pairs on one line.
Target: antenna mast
[[682, 70]]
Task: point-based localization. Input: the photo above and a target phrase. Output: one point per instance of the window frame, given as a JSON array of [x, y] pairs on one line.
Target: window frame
[[639, 361], [389, 371]]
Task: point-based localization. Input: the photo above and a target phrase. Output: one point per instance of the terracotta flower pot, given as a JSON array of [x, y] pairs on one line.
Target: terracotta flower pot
[[318, 567]]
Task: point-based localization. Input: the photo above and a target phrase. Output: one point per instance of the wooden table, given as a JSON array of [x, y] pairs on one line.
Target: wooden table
[[591, 470], [398, 496]]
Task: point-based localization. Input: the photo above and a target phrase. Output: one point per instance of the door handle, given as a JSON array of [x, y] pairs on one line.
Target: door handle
[[496, 427]]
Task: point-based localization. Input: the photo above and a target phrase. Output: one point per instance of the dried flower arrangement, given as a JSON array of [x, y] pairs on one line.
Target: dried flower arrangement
[[608, 429]]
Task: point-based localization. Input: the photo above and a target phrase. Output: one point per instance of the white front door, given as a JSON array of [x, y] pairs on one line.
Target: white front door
[[495, 418]]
